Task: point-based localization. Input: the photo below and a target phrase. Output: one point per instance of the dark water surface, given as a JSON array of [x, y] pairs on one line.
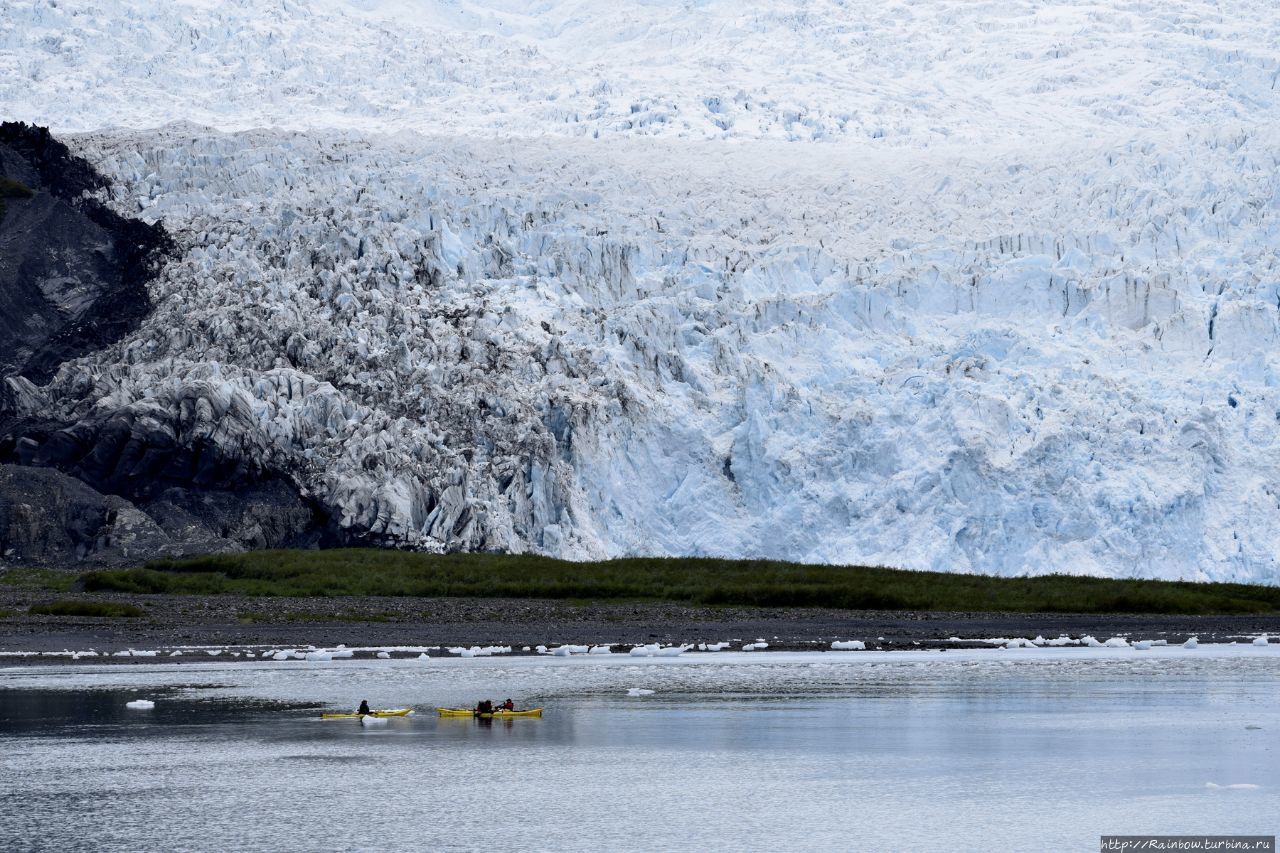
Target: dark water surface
[[746, 753]]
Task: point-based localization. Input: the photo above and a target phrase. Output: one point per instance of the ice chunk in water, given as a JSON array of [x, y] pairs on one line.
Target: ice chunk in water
[[1191, 643], [639, 691], [848, 645], [373, 722], [1117, 643], [140, 704], [1142, 645], [1261, 641], [384, 656]]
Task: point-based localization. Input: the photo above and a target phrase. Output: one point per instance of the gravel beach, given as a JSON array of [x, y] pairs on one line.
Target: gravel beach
[[234, 620]]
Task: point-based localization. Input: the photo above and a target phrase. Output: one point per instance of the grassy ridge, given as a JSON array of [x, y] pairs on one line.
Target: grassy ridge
[[108, 609], [697, 581]]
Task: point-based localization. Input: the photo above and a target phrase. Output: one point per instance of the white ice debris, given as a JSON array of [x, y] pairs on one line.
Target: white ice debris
[[1019, 643], [140, 704], [1239, 786], [374, 722], [639, 691], [1062, 640], [848, 645], [1091, 642], [319, 655], [1117, 643], [542, 650], [601, 650], [1142, 645], [822, 281], [1261, 640], [1191, 643], [383, 655], [424, 656]]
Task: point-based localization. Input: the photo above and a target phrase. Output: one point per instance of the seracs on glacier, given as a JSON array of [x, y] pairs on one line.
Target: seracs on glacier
[[1003, 306]]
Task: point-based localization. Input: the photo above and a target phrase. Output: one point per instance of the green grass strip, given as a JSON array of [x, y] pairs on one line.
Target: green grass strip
[[111, 609], [762, 583]]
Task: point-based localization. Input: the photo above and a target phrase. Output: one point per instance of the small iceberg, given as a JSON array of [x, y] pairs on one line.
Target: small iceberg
[[1239, 786], [1142, 645], [1191, 643], [384, 656], [600, 650], [848, 645], [140, 704], [1262, 640], [639, 691], [1117, 643], [373, 722]]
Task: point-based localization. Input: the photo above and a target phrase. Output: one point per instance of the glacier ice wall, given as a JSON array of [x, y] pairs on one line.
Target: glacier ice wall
[[590, 349], [963, 286]]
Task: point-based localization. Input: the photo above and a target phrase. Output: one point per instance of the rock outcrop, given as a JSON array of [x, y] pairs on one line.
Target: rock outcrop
[[99, 484]]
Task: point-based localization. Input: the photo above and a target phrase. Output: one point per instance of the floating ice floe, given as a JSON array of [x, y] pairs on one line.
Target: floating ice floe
[[424, 656], [384, 656], [1142, 645], [140, 704], [319, 656], [1020, 643], [758, 645], [600, 650], [1062, 640], [1191, 643], [848, 645], [373, 722], [542, 650], [1261, 641], [1239, 786], [1117, 643], [639, 691]]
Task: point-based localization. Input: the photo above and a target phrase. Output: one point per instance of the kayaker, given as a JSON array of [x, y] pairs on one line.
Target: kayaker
[[508, 705], [485, 707], [364, 707]]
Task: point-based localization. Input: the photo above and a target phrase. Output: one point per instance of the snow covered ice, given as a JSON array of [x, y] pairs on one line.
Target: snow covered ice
[[951, 287]]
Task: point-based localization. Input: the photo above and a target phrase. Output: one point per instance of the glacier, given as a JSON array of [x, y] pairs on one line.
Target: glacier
[[965, 287]]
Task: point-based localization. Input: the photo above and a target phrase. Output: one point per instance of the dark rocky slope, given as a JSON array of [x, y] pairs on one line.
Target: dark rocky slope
[[108, 487]]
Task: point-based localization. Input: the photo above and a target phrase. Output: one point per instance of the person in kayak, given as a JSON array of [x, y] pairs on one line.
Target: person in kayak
[[508, 705], [364, 707], [484, 707]]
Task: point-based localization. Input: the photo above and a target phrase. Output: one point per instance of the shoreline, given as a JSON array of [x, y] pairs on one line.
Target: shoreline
[[374, 622]]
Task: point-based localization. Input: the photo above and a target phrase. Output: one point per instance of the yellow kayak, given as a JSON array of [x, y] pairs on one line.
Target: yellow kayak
[[394, 712], [499, 714]]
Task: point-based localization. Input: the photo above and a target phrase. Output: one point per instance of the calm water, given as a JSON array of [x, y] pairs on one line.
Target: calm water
[[979, 750]]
